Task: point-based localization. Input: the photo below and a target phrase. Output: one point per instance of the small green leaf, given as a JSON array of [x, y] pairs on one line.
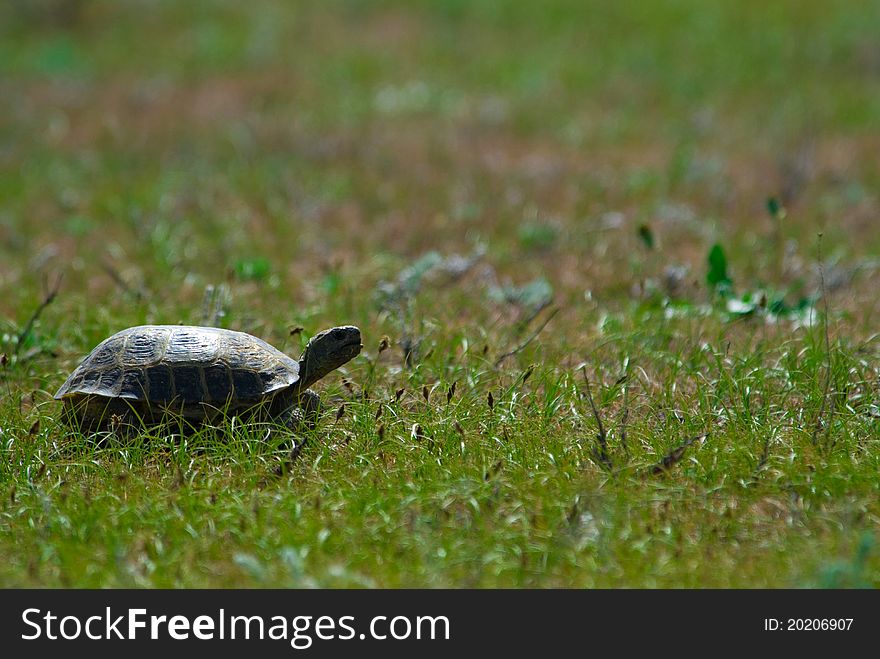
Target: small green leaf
[[331, 282], [717, 276], [58, 56], [78, 225], [778, 307], [256, 268], [538, 235], [775, 208], [646, 235]]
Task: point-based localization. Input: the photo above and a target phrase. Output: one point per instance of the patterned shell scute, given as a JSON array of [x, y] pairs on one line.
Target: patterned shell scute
[[162, 363]]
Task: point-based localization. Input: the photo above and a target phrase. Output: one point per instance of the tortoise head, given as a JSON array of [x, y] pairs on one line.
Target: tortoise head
[[327, 351]]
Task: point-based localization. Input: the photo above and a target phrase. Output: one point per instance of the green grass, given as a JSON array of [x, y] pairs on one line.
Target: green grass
[[278, 166]]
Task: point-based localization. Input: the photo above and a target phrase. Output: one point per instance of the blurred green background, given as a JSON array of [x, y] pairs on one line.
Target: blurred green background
[[193, 135]]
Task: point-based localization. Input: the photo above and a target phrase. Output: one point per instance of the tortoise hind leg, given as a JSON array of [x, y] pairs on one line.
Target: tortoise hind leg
[[98, 416]]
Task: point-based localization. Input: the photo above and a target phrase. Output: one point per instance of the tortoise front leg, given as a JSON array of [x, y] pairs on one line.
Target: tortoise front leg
[[301, 419], [310, 409], [301, 415]]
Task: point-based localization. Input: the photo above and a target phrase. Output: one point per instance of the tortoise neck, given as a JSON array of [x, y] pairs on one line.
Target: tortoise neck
[[312, 367]]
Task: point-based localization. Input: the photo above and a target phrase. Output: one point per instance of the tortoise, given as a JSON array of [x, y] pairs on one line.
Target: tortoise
[[154, 373]]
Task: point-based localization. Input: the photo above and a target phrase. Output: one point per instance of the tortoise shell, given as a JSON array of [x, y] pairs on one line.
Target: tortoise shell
[[160, 364]]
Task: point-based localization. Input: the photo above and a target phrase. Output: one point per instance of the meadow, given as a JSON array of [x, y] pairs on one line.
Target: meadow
[[615, 266]]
